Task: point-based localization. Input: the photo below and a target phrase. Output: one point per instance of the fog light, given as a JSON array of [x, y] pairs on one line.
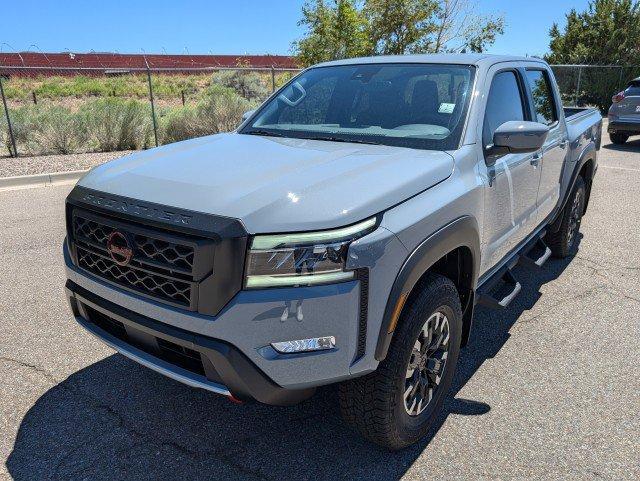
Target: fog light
[[305, 345]]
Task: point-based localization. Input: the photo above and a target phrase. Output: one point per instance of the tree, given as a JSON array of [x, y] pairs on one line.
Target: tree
[[348, 28], [337, 31], [459, 27], [608, 32], [399, 26]]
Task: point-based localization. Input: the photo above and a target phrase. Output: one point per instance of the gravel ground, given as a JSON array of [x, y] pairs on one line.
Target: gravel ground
[[47, 164], [548, 389]]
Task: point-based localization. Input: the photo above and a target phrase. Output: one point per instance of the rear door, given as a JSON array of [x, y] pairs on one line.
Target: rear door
[[546, 110], [513, 179]]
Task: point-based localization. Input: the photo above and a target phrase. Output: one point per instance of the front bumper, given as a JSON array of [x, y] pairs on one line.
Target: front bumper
[[240, 335], [186, 357], [626, 126]]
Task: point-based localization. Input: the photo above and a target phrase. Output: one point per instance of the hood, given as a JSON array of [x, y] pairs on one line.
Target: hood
[[274, 184]]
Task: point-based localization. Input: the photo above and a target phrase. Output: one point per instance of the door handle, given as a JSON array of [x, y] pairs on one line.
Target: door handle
[[535, 159]]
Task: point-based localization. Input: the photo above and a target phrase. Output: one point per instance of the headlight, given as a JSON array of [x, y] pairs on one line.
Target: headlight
[[305, 258]]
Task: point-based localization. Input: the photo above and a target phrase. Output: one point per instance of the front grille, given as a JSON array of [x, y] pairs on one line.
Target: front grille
[[188, 259], [163, 265], [161, 252], [165, 288]]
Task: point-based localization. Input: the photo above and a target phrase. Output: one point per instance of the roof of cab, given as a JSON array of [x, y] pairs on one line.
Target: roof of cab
[[444, 58]]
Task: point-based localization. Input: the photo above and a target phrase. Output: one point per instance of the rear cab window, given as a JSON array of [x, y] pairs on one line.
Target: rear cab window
[[542, 95]]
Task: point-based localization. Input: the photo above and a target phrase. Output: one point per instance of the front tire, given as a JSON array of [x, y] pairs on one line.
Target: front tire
[[618, 139], [563, 241], [396, 405]]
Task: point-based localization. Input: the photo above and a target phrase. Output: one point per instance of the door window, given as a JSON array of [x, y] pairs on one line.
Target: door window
[[503, 104], [542, 93]]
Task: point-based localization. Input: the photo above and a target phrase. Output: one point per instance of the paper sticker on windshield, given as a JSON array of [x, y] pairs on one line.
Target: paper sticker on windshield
[[446, 108]]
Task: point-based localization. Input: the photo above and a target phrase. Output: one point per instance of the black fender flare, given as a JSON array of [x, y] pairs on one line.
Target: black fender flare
[[462, 232]]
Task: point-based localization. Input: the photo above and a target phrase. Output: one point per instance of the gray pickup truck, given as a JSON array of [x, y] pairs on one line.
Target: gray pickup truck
[[343, 234]]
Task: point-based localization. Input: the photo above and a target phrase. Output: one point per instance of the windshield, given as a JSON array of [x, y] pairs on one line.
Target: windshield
[[419, 106]]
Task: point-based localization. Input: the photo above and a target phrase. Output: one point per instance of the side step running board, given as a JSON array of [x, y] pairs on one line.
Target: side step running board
[[537, 255], [502, 288], [509, 282]]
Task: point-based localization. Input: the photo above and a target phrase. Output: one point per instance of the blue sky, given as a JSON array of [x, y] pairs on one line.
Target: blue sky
[[223, 27]]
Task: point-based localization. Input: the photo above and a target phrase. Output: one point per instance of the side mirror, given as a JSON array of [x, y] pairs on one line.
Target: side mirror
[[247, 114], [517, 137]]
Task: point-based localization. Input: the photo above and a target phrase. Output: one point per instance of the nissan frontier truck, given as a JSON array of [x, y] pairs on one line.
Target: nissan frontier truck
[[343, 234]]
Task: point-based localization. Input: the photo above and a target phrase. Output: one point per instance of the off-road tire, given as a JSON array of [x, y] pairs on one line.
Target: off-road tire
[[564, 240], [618, 139], [374, 404]]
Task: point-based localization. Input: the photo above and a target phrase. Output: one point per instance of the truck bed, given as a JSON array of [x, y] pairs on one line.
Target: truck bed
[[573, 113], [583, 122]]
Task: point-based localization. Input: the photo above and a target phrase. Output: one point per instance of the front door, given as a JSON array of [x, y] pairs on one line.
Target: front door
[[513, 179]]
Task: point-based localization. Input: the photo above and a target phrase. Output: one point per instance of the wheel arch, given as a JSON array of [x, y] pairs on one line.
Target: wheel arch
[[587, 171], [453, 251]]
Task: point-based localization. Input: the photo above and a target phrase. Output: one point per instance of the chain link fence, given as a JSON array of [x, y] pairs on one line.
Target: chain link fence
[[48, 110], [75, 110], [592, 85]]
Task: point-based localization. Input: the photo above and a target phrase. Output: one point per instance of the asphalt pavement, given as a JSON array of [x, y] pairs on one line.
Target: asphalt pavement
[[548, 389]]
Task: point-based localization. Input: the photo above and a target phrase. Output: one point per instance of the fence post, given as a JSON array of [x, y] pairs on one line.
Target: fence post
[[620, 81], [6, 113], [273, 79], [153, 108], [575, 99]]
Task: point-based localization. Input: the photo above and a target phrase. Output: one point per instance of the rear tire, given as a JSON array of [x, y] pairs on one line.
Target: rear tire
[[396, 405], [563, 241], [618, 139]]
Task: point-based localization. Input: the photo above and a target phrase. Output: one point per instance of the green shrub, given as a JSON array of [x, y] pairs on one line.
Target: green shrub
[[220, 111], [180, 123], [21, 125], [4, 134], [41, 130], [250, 85], [115, 124], [53, 130], [110, 124]]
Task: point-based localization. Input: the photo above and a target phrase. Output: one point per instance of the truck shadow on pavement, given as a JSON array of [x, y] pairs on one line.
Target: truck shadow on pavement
[[631, 145], [117, 420]]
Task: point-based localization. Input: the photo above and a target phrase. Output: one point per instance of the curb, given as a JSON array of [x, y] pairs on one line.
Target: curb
[[39, 180]]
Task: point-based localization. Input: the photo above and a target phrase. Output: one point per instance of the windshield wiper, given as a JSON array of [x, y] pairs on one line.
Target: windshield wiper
[[340, 139], [266, 133]]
